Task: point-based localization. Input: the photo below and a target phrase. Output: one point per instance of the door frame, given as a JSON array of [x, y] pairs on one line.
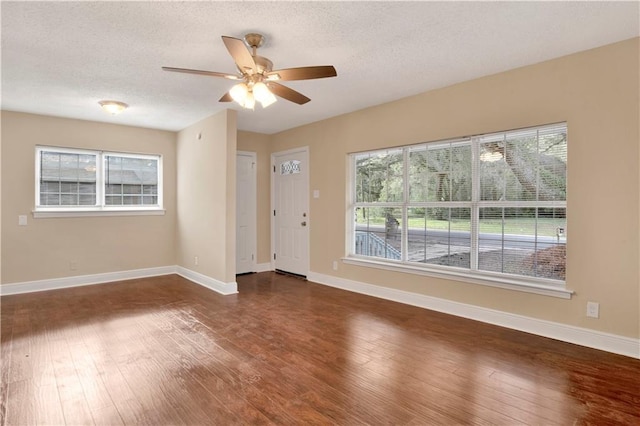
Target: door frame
[[253, 218], [272, 172]]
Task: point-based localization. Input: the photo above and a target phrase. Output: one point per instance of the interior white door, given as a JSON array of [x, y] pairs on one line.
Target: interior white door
[[245, 212], [291, 211]]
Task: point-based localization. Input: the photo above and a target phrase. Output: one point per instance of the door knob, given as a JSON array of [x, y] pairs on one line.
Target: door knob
[[303, 223]]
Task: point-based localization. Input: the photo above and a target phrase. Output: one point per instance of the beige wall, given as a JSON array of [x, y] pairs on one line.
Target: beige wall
[[206, 196], [595, 92], [45, 248], [260, 144], [203, 225], [0, 199]]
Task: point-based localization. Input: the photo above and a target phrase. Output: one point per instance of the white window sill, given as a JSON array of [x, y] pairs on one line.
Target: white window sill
[[43, 214], [505, 282]]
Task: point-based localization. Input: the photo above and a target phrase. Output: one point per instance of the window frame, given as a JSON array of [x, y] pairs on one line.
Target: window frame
[[538, 285], [100, 208]]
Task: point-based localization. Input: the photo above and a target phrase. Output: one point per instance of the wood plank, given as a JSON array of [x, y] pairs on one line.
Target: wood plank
[[30, 403], [97, 397], [74, 404], [6, 342]]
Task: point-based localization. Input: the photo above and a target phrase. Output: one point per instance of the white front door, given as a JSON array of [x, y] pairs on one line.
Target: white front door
[[245, 212], [291, 211]]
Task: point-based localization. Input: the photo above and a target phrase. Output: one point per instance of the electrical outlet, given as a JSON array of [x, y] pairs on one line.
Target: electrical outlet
[[593, 309], [195, 260], [335, 265], [22, 220], [73, 266]]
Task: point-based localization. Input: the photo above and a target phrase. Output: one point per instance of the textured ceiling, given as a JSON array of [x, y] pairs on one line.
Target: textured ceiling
[[61, 58]]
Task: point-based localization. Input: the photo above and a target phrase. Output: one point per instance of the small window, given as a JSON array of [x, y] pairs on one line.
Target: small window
[[290, 167], [131, 181], [80, 180], [67, 178]]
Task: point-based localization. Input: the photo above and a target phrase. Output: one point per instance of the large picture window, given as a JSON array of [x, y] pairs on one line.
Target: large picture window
[[82, 180], [489, 206]]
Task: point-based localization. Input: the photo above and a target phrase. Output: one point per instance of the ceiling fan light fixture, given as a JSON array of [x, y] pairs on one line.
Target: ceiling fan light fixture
[[263, 95], [269, 101], [250, 101], [113, 107], [260, 91], [239, 93]]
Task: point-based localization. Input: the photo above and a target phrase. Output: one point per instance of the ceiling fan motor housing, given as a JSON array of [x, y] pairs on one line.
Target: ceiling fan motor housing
[[263, 65]]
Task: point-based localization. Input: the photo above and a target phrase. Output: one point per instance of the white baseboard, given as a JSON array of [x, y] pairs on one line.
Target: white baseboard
[[566, 333], [208, 282], [264, 267], [81, 280]]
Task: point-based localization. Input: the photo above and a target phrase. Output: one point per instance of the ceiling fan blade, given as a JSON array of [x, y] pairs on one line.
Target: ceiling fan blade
[[209, 73], [303, 73], [287, 93], [226, 98], [240, 54]]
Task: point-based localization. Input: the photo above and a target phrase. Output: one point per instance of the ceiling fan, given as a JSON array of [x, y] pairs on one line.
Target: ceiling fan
[[259, 82]]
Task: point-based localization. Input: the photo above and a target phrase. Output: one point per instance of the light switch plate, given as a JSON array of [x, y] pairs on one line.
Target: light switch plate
[[22, 220]]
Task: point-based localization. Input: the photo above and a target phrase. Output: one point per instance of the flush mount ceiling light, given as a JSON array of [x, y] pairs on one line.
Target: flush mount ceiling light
[[257, 75], [113, 107]]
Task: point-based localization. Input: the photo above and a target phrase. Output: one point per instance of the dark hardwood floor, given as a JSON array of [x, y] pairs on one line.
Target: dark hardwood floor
[[285, 351]]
